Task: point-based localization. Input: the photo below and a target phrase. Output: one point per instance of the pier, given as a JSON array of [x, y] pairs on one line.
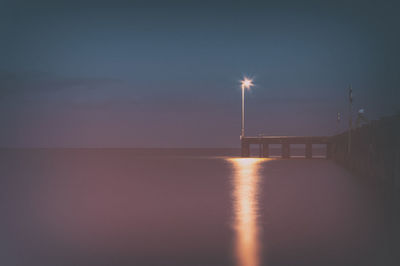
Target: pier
[[374, 151], [285, 142]]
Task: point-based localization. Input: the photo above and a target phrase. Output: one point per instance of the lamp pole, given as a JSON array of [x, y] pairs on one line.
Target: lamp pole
[[242, 134], [246, 84], [350, 119]]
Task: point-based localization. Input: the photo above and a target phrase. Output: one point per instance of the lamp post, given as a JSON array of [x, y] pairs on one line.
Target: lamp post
[[246, 84], [350, 119]]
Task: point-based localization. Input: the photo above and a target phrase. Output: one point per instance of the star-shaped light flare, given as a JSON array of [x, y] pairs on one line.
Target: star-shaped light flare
[[247, 83]]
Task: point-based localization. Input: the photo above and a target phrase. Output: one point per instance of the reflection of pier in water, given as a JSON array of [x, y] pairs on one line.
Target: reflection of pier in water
[[245, 192]]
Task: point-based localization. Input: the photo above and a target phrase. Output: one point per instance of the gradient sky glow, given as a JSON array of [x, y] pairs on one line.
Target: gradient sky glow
[[167, 73]]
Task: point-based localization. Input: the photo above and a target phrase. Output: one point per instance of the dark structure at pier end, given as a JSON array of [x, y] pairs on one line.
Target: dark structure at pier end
[[374, 151]]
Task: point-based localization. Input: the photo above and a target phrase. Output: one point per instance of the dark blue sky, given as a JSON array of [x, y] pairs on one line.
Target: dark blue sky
[[166, 73]]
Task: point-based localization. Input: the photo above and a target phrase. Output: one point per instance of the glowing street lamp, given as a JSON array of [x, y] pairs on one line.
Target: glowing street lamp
[[246, 84]]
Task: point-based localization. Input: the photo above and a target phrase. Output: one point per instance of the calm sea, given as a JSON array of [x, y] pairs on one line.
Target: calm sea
[[184, 207]]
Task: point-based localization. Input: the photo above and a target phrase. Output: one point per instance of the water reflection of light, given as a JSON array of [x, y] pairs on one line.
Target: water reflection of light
[[245, 191]]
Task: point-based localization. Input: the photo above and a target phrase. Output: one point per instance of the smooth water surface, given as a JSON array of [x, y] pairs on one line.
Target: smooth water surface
[[149, 207]]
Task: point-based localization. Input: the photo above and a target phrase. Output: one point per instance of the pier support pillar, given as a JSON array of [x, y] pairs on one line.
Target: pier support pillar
[[245, 149], [265, 150], [286, 150], [308, 150], [328, 151]]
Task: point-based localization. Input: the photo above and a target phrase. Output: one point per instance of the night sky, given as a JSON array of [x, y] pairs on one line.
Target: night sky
[[166, 73]]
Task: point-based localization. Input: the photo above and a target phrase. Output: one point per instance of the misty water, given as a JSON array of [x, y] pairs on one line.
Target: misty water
[[184, 207]]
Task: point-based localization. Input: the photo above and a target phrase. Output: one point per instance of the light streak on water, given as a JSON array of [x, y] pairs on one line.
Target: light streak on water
[[245, 206]]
